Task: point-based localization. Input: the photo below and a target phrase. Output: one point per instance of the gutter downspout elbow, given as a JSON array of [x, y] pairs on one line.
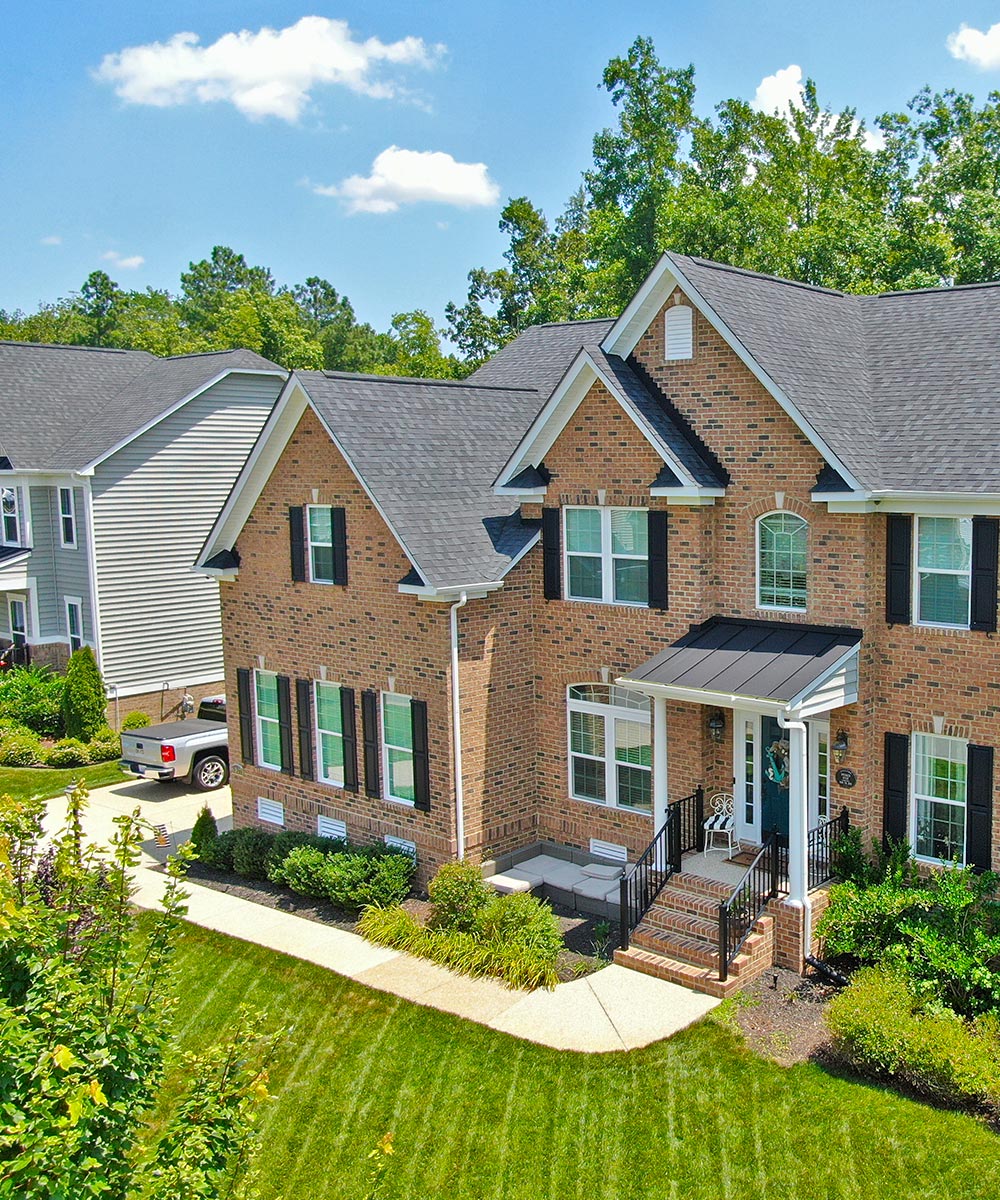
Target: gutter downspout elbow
[[456, 727]]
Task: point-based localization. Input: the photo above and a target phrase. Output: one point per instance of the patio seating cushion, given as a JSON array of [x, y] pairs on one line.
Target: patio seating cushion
[[565, 876], [596, 889], [508, 884], [541, 863], [719, 821], [534, 878], [601, 871]]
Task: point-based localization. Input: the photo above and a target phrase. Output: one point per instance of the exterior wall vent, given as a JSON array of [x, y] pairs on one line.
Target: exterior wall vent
[[678, 332], [398, 843], [609, 850], [272, 811], [330, 827]]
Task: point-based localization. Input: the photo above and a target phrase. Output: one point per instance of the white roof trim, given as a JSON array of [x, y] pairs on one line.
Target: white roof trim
[[623, 336], [162, 416], [802, 699], [474, 591]]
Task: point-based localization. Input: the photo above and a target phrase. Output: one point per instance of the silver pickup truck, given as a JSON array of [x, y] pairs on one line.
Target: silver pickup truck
[[195, 751]]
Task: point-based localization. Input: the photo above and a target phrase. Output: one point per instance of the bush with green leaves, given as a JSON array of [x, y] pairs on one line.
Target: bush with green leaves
[[136, 720], [218, 854], [251, 851], [882, 1028], [303, 869], [83, 701], [459, 894], [69, 752], [32, 698], [204, 832], [105, 746], [20, 750], [523, 921], [354, 879], [887, 862]]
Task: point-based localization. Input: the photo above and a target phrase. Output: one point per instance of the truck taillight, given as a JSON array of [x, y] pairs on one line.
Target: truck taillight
[[168, 753]]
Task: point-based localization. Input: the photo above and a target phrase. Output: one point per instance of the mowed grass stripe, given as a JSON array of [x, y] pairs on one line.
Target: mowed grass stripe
[[476, 1114]]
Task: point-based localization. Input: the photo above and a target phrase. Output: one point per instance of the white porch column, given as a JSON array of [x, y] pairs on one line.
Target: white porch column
[[798, 819], [659, 762]]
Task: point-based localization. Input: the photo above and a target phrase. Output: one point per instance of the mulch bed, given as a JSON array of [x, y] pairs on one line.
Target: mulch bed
[[580, 933], [781, 1016]]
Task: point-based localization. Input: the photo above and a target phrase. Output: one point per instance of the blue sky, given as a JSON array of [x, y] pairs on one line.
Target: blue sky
[[128, 149]]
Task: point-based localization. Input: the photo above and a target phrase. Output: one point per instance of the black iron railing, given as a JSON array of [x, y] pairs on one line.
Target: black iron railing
[[822, 860], [661, 859], [740, 912], [15, 655]]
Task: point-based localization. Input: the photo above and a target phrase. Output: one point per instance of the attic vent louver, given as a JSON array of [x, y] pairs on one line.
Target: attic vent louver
[[678, 332]]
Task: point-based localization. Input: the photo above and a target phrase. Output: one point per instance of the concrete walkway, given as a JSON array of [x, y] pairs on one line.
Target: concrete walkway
[[614, 1009]]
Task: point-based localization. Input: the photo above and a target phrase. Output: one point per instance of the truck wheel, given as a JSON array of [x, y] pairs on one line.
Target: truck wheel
[[209, 773]]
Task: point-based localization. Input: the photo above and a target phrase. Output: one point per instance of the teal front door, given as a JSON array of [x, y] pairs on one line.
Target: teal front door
[[774, 778]]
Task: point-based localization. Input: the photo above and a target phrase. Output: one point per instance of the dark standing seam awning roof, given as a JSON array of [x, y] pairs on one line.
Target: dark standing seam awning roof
[[760, 660]]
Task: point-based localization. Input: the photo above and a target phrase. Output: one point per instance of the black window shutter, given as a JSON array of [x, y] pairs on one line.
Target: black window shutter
[[349, 726], [979, 809], [285, 723], [985, 538], [297, 536], [244, 702], [551, 554], [303, 710], [421, 756], [656, 522], [898, 556], [895, 796], [338, 520], [369, 733]]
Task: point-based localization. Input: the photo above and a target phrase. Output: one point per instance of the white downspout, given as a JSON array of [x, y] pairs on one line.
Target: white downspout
[[798, 825], [456, 728]]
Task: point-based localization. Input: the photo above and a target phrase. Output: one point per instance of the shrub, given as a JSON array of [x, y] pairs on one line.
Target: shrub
[[20, 750], [218, 854], [104, 748], [523, 921], [205, 832], [32, 697], [459, 895], [281, 844], [251, 850], [70, 752], [355, 879], [136, 720], [880, 1027], [83, 700], [303, 869]]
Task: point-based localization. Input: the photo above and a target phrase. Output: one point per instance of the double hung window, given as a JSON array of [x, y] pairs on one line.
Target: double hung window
[[610, 752], [320, 543], [782, 556], [943, 581], [10, 517], [67, 518], [939, 797], [329, 733], [266, 715], [397, 748], [607, 555]]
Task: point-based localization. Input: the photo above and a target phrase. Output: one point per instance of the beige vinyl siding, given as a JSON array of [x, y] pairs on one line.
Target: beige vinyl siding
[[154, 502]]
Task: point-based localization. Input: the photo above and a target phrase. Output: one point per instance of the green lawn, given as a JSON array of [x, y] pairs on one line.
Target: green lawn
[[22, 782], [476, 1114]]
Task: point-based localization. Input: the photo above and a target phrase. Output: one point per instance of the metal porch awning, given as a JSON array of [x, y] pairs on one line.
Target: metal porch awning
[[766, 665]]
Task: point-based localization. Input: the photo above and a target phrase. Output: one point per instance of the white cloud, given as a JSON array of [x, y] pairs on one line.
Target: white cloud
[[408, 176], [974, 46], [267, 73], [130, 262], [53, 239], [779, 92]]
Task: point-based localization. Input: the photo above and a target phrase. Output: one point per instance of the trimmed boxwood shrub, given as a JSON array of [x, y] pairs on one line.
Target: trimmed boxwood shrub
[[302, 870], [20, 750], [459, 895], [136, 720], [70, 752], [204, 832], [103, 749], [218, 854], [251, 851]]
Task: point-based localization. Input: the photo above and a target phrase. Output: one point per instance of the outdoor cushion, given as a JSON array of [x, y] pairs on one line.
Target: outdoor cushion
[[541, 863], [534, 878], [601, 871], [507, 884], [565, 876], [596, 889]]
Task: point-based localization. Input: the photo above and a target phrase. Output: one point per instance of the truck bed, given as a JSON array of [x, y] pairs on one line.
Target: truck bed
[[172, 730]]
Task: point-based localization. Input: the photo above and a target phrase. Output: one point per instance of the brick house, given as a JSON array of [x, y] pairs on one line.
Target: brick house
[[741, 540]]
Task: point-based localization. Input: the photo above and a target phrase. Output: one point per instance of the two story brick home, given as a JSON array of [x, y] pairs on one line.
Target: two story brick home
[[741, 540]]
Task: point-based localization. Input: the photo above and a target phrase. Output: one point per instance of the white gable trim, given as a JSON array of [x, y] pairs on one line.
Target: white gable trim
[[162, 416], [659, 283]]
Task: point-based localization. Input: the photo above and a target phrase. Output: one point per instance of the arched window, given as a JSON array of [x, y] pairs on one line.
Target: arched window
[[610, 753], [782, 549], [678, 332]]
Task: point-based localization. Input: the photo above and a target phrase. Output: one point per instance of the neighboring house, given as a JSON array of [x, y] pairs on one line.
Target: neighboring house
[[113, 465], [767, 517]]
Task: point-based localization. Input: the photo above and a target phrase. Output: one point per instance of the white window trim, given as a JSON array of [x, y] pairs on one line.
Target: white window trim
[[259, 720], [607, 558], [914, 796], [757, 525], [309, 545], [4, 540], [610, 713], [917, 570], [385, 746], [22, 599], [318, 734], [77, 603], [67, 516]]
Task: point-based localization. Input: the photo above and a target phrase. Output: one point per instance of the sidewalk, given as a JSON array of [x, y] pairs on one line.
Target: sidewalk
[[614, 1009]]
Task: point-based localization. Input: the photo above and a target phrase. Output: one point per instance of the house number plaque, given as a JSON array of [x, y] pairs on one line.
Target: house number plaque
[[845, 777]]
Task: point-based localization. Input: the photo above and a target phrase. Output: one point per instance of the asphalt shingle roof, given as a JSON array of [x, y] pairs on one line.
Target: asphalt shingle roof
[[64, 406], [541, 355]]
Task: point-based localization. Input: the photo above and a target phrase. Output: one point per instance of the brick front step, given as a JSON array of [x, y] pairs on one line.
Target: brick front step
[[673, 920], [696, 904], [700, 885], [699, 979]]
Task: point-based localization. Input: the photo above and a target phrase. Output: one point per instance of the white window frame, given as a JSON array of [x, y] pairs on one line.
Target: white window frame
[[70, 516], [918, 570], [71, 602], [313, 578], [610, 713], [16, 518], [318, 733], [606, 556], [21, 599], [259, 721], [394, 697], [687, 330], [779, 512], [915, 796]]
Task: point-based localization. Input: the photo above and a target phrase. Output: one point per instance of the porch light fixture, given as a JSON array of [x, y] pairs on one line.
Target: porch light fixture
[[840, 746], [717, 725]]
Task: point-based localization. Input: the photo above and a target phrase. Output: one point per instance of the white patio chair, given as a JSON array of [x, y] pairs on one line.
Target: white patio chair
[[721, 824]]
